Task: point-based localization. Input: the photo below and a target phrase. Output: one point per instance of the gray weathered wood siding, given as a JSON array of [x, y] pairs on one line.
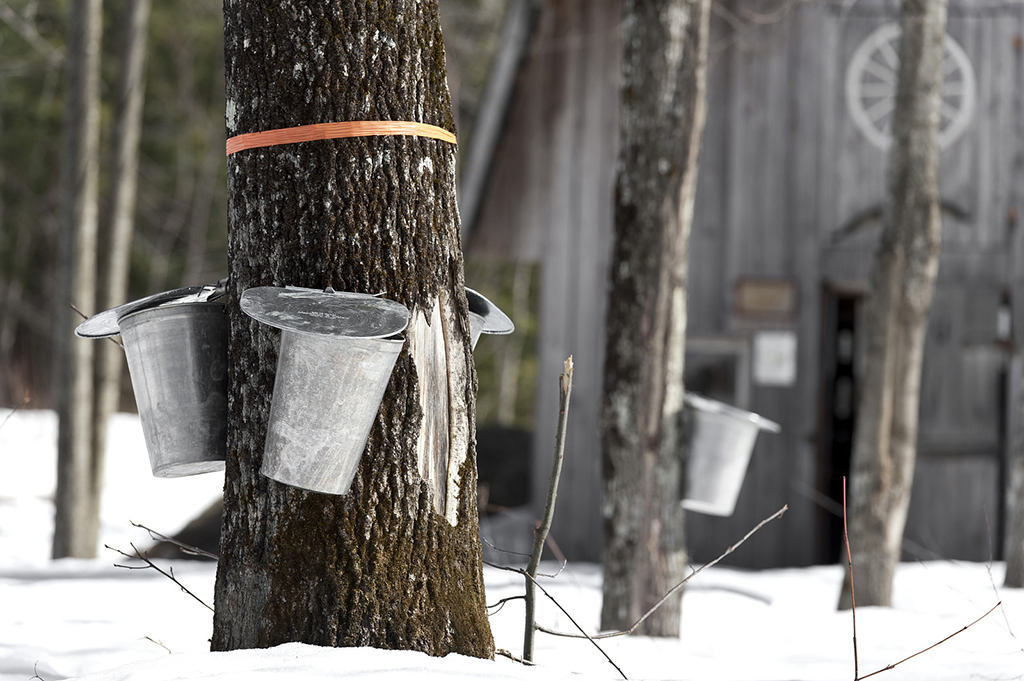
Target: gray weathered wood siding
[[787, 188]]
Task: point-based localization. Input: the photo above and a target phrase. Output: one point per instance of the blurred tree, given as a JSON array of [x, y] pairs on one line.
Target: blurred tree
[[76, 527], [664, 70], [395, 563], [896, 316]]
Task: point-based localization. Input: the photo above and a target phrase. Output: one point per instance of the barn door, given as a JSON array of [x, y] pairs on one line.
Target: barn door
[[841, 349]]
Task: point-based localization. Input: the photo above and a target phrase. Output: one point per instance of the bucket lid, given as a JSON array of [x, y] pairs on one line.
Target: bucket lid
[[714, 407], [495, 321], [327, 312], [107, 323]]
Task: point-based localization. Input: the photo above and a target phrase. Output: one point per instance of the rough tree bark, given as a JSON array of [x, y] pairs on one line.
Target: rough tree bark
[[116, 233], [395, 563], [902, 281], [662, 119], [76, 528]]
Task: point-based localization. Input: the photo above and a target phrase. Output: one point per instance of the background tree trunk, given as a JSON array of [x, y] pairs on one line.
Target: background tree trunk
[[76, 525], [662, 119], [116, 234], [395, 563], [896, 316]]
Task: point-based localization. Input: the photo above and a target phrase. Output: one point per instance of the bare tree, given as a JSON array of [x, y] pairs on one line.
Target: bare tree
[[662, 120], [76, 527], [116, 233], [395, 563], [901, 286]]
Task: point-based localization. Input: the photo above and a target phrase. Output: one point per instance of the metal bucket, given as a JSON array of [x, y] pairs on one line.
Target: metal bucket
[[177, 358], [326, 395], [337, 353], [485, 317], [720, 448]]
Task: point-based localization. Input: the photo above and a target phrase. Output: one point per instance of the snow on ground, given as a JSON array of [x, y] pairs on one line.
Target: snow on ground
[[89, 619]]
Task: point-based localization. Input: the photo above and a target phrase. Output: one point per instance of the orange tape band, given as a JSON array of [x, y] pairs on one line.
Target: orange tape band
[[326, 131]]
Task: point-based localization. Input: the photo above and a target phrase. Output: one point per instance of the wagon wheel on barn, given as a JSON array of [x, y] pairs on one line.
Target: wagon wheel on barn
[[871, 88]]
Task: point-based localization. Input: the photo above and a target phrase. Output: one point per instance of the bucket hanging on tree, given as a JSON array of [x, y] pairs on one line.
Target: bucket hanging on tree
[[337, 353]]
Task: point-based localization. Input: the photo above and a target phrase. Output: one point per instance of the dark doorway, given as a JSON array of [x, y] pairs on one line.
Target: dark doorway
[[840, 387]]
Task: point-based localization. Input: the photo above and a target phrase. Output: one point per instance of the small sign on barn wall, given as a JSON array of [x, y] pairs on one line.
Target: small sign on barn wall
[[775, 358], [762, 298]]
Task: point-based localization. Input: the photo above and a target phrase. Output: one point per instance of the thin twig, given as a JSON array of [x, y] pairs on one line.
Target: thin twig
[[112, 339], [153, 640], [541, 533], [576, 624], [501, 604], [150, 564], [511, 553], [505, 653], [626, 632], [853, 597], [185, 548], [15, 409], [992, 581], [934, 645]]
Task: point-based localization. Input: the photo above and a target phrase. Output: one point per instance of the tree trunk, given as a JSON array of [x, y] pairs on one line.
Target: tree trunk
[[76, 526], [662, 119], [116, 233], [395, 563], [902, 282]]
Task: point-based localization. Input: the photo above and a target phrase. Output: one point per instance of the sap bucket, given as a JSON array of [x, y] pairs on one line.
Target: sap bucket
[[485, 317], [722, 441], [335, 361], [176, 346]]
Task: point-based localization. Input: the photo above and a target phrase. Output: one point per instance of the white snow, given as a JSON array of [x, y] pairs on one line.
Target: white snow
[[91, 620]]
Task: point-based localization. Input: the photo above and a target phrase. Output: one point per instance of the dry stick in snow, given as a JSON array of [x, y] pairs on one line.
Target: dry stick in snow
[[540, 535], [150, 564], [853, 609]]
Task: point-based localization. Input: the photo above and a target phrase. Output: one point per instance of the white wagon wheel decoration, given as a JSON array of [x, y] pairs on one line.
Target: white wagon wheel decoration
[[871, 88]]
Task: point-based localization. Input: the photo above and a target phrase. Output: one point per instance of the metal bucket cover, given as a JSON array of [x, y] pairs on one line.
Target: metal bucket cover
[[327, 312], [494, 320], [107, 323]]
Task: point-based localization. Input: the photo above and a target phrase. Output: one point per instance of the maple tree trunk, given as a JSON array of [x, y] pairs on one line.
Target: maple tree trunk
[[395, 563]]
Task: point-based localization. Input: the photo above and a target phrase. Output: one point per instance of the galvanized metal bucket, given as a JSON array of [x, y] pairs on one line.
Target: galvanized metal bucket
[[720, 448], [177, 358], [485, 317], [336, 357]]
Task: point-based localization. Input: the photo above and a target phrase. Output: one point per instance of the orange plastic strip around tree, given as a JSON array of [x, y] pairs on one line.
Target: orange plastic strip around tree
[[326, 131]]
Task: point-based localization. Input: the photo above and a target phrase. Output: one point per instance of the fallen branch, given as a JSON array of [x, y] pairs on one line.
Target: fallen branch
[[150, 564]]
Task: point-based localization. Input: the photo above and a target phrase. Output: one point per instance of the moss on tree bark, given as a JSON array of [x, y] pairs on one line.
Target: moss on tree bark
[[395, 563]]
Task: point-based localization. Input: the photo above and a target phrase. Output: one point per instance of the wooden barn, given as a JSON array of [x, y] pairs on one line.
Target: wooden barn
[[789, 197]]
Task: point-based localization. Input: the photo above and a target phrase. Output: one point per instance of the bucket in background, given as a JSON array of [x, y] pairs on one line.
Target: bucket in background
[[177, 359], [337, 353], [720, 447]]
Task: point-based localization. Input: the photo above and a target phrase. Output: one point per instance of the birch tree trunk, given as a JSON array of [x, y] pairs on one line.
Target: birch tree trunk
[[902, 282], [662, 119], [395, 563], [76, 525]]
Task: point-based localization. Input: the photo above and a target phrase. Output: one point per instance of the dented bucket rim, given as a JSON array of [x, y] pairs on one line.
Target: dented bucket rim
[[316, 312], [707, 405], [495, 321]]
